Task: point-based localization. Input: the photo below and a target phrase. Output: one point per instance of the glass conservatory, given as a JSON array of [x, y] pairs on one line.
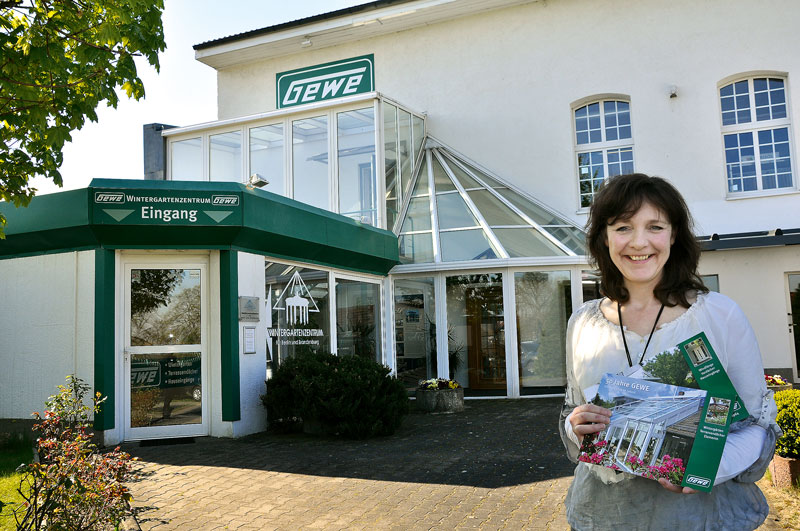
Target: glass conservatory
[[488, 275]]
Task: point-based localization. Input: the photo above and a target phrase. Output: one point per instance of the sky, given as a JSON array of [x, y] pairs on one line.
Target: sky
[[183, 93]]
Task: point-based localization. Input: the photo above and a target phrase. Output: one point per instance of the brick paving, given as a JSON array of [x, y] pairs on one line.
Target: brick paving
[[497, 465]]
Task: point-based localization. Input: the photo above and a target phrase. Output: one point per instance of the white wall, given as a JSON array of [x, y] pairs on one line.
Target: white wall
[[46, 328], [499, 86], [755, 279], [252, 367]]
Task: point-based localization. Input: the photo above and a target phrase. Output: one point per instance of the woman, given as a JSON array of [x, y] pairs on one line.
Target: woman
[[640, 238]]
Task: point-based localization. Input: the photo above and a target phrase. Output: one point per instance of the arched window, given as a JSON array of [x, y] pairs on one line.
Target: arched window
[[755, 133], [603, 144]]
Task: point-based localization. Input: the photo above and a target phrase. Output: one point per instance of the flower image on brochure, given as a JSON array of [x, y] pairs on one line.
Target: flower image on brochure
[[659, 430]]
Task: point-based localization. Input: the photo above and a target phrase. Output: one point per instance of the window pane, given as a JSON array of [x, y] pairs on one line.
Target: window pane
[[418, 128], [494, 211], [526, 243], [404, 146], [572, 237], [310, 161], [166, 389], [415, 330], [453, 212], [441, 181], [617, 114], [773, 145], [418, 215], [165, 307], [544, 304], [187, 160], [587, 123], [297, 315], [422, 187], [590, 171], [416, 248], [226, 157], [739, 160], [770, 98], [358, 319], [266, 156], [735, 103], [711, 282], [466, 245], [620, 161], [357, 177], [390, 162], [530, 209], [476, 333], [463, 177]]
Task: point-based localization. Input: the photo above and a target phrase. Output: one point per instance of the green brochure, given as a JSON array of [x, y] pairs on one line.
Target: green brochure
[[708, 372]]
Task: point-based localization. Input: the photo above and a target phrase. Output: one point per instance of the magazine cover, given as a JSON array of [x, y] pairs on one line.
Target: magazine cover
[[659, 430]]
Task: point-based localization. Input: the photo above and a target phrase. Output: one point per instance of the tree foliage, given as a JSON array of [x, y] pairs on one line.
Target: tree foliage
[[670, 367], [58, 60]]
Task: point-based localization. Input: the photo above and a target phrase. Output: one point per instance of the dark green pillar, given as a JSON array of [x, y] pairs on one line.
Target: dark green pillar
[[104, 319], [229, 333]]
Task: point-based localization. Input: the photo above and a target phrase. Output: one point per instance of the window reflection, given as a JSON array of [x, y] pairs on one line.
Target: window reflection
[[415, 330], [165, 307], [226, 157], [358, 319], [390, 162], [266, 156], [310, 161], [187, 160], [356, 141]]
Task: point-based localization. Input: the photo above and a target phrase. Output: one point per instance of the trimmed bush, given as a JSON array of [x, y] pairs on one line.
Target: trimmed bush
[[789, 420], [350, 396]]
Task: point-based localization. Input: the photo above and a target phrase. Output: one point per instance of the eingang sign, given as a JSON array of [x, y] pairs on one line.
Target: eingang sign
[[165, 207], [326, 81]]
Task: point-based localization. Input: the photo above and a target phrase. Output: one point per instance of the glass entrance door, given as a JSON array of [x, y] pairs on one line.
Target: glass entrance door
[[794, 317], [165, 350]]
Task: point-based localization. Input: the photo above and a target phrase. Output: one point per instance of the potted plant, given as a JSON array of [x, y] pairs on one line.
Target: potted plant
[[440, 395], [776, 382], [785, 465]]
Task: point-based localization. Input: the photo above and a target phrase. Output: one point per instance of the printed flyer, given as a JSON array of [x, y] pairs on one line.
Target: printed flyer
[[659, 430]]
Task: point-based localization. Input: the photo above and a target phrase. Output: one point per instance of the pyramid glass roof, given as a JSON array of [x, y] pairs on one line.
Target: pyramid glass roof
[[457, 211]]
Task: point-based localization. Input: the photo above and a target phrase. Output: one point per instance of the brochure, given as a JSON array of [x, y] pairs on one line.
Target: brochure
[[659, 430]]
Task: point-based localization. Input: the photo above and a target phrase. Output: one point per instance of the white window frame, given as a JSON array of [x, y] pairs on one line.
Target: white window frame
[[604, 145], [754, 126]]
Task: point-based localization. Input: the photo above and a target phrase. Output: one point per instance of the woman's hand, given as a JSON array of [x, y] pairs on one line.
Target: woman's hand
[[589, 418], [675, 488]]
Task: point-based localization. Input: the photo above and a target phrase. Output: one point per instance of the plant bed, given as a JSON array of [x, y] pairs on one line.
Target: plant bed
[[440, 396], [785, 465], [785, 471]]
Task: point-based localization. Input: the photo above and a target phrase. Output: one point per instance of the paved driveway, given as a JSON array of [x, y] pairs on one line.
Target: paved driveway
[[497, 465]]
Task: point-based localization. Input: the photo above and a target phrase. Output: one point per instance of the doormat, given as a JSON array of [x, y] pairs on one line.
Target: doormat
[[167, 442]]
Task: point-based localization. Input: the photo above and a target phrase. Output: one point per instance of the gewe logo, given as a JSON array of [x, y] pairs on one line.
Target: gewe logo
[[697, 480], [296, 301], [226, 200], [109, 197], [326, 81]]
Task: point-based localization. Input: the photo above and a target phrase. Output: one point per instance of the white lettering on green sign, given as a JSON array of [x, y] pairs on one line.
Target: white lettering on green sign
[[326, 81]]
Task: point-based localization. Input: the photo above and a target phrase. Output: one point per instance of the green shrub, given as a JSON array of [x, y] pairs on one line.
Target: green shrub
[[789, 420], [351, 396]]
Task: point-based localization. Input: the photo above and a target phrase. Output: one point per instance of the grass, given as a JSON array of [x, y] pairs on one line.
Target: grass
[[784, 504], [11, 456]]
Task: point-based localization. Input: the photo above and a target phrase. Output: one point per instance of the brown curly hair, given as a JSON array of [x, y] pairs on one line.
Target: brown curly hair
[[619, 199]]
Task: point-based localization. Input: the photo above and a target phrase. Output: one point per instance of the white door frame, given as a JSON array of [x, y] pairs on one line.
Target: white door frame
[[793, 331], [164, 261]]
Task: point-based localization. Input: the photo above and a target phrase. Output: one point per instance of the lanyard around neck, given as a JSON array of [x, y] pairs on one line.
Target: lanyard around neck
[[625, 342]]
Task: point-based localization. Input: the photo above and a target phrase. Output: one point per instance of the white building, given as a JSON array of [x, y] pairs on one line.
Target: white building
[[476, 132]]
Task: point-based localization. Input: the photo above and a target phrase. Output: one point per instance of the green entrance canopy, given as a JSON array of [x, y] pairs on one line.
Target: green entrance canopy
[[138, 214]]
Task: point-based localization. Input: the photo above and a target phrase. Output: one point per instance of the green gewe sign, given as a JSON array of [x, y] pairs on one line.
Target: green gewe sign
[[165, 207], [326, 81]]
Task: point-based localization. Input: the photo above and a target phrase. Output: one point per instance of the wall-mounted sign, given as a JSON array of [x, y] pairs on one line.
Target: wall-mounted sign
[[165, 207], [326, 81], [297, 303], [248, 309]]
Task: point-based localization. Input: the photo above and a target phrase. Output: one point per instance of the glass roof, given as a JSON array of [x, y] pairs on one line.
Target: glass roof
[[455, 211], [660, 409]]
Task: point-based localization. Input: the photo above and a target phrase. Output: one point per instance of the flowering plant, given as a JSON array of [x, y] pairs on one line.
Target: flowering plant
[[438, 383], [774, 380], [598, 453]]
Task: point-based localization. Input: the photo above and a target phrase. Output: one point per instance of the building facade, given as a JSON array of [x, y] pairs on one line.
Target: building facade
[[477, 133]]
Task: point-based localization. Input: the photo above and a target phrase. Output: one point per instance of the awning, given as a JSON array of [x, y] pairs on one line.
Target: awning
[[138, 214]]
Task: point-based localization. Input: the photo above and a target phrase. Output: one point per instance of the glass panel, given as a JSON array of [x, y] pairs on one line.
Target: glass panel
[[587, 124], [476, 333], [357, 177], [441, 182], [572, 237], [415, 330], [404, 147], [531, 209], [453, 212], [418, 215], [620, 161], [794, 302], [590, 285], [463, 178], [544, 304], [740, 161], [226, 157], [493, 210], [418, 126], [390, 161], [165, 307], [416, 248], [735, 103], [298, 320], [773, 146], [358, 319], [591, 174], [187, 160], [422, 186], [526, 243], [266, 156], [494, 183], [711, 282], [310, 161], [166, 389], [770, 99], [466, 245], [617, 116]]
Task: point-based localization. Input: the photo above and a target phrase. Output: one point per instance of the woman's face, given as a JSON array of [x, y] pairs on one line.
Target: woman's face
[[639, 246]]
